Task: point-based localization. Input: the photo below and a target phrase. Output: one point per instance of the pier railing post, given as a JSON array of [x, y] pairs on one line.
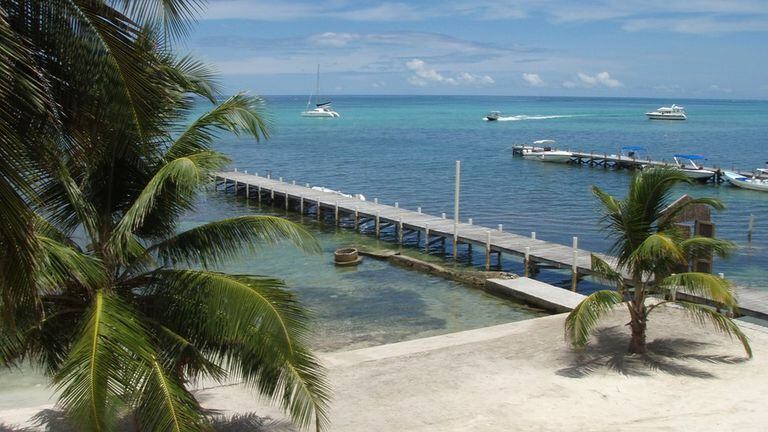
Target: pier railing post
[[456, 213], [574, 266], [378, 223], [533, 235], [336, 213], [527, 262], [488, 250]]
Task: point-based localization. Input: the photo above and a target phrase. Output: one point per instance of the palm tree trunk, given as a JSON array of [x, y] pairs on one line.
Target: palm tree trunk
[[637, 343]]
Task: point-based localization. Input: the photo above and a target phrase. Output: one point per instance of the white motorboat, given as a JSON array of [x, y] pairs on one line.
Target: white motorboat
[[687, 164], [322, 109], [361, 197], [756, 182], [546, 153], [674, 112], [493, 115]]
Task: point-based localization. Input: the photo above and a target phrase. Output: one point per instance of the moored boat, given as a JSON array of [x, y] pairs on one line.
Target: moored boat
[[322, 109], [546, 153], [744, 182], [687, 164]]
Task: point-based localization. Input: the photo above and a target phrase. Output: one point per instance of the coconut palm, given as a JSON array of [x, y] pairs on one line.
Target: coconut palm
[[651, 250], [124, 309], [53, 55]]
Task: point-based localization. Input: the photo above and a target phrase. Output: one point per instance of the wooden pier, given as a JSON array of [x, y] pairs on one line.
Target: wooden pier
[[430, 232], [605, 160]]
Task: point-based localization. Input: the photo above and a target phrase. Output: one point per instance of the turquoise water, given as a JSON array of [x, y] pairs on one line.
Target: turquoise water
[[402, 148]]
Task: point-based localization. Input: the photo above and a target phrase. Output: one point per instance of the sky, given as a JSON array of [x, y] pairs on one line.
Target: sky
[[605, 48]]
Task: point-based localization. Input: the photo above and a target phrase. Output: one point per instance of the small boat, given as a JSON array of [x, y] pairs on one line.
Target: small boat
[[347, 256], [691, 168], [322, 109], [546, 153], [674, 112], [756, 182], [629, 156], [361, 197], [493, 115]]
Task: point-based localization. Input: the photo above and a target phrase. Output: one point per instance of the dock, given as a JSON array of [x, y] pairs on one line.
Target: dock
[[614, 161], [430, 232], [536, 293]]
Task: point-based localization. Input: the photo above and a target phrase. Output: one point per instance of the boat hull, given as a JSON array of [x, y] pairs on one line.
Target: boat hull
[[746, 182], [549, 156], [332, 114], [699, 174], [654, 116]]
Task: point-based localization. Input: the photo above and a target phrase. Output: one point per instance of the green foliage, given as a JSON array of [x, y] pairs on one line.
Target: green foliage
[[650, 252], [98, 164]]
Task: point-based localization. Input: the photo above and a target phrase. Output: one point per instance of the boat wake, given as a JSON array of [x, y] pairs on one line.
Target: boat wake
[[523, 117]]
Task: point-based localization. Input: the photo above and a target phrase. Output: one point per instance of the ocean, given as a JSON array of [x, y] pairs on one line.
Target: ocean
[[402, 149]]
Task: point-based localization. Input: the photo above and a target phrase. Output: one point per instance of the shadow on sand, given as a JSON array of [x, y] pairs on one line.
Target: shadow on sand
[[669, 355], [54, 420]]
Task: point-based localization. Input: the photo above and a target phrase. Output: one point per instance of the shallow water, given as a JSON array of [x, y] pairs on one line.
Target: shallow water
[[403, 148]]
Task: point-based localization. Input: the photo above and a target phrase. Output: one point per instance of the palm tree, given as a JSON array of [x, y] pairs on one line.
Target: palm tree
[[120, 308], [53, 55], [651, 250]]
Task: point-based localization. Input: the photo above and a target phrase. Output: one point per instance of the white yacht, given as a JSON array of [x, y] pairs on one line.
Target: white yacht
[[546, 153], [691, 168], [668, 113], [322, 109]]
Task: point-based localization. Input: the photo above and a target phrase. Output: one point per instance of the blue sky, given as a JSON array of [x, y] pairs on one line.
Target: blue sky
[[653, 48]]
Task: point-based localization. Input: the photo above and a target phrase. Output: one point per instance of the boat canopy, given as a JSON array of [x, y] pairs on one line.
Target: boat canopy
[[324, 104], [545, 141], [633, 148], [690, 156]]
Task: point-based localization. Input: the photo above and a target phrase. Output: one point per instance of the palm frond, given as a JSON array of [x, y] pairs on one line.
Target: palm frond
[[606, 273], [165, 405], [220, 241], [257, 327], [173, 17], [704, 316], [584, 318], [62, 263], [238, 114], [698, 245], [704, 285], [103, 364]]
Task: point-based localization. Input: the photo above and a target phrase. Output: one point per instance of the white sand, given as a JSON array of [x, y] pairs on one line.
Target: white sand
[[523, 377]]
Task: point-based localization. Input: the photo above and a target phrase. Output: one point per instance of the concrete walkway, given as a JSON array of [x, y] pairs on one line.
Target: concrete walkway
[[535, 293]]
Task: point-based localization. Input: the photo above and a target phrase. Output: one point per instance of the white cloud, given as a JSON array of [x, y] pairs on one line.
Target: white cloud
[[569, 84], [717, 89], [697, 25], [533, 79], [601, 79], [332, 39], [424, 75]]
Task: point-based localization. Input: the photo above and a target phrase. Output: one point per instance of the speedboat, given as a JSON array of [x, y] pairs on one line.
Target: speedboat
[[361, 197], [687, 164], [546, 153], [674, 112], [629, 156], [493, 115], [321, 110], [744, 182]]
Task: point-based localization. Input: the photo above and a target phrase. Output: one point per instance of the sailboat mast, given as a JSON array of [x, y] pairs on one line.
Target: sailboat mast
[[317, 85]]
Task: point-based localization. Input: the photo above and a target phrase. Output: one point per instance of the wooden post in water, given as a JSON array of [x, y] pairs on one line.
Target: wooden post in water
[[258, 192], [456, 214], [301, 205], [426, 238], [272, 196], [336, 213], [357, 219], [527, 262], [378, 223], [247, 191], [319, 211], [487, 250], [286, 200], [574, 266], [400, 229], [235, 189], [750, 227]]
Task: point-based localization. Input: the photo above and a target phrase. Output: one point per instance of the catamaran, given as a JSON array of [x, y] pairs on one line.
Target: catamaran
[[322, 109], [668, 113], [546, 153], [691, 168]]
